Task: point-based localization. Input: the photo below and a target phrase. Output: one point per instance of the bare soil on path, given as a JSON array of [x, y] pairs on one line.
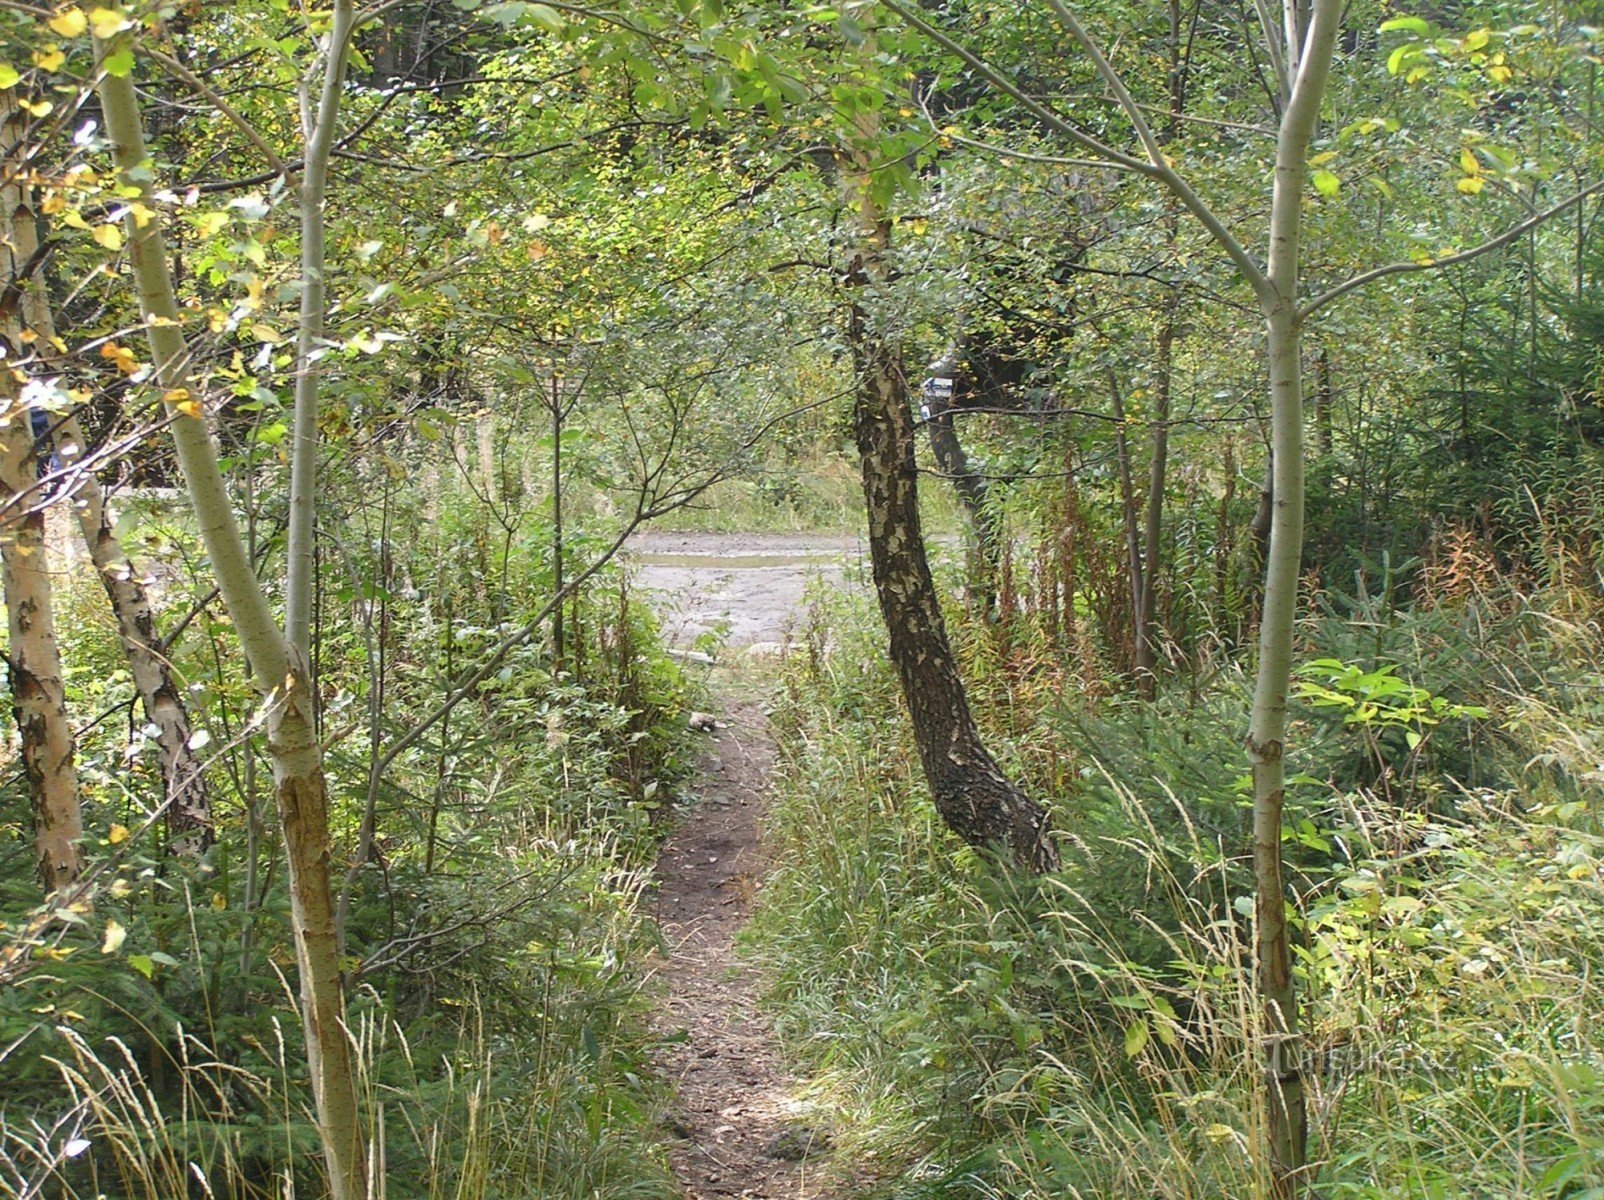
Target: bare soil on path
[[741, 1127]]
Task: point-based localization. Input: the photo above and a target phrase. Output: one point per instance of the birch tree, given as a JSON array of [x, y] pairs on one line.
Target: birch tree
[[186, 798], [278, 656], [38, 694]]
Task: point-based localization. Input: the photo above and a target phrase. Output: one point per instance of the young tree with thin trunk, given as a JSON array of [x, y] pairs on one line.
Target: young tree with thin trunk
[[279, 658]]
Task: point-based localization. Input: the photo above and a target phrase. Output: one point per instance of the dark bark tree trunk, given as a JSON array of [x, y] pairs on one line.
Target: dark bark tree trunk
[[1323, 399], [1153, 523], [972, 491], [975, 799]]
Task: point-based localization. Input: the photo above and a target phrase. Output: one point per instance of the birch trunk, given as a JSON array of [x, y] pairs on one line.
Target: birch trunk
[[188, 801], [975, 799], [38, 695], [281, 669]]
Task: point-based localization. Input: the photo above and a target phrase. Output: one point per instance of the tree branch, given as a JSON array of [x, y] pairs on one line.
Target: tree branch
[[173, 67], [1453, 260], [1159, 166]]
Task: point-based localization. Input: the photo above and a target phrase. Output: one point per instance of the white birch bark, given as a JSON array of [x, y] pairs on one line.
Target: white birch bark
[[185, 794], [38, 695]]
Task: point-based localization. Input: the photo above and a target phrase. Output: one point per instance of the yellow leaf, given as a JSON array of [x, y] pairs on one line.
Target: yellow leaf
[[74, 220], [142, 216], [219, 901], [52, 204], [175, 396], [209, 223], [190, 408], [107, 22], [49, 59], [1470, 185], [1500, 74], [37, 108], [116, 934], [117, 835], [127, 361], [1468, 162], [108, 236], [265, 333], [69, 22]]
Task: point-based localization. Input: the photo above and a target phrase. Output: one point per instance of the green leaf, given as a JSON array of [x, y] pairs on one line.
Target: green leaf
[[143, 964], [1326, 183], [119, 64], [1415, 25], [8, 76], [1136, 1039], [1400, 56], [546, 18]]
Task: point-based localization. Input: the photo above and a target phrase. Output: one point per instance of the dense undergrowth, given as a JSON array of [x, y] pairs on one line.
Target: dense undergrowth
[[1081, 1036], [149, 1039]]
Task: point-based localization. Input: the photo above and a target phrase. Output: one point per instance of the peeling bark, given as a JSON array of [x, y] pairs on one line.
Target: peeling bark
[[38, 696], [188, 801], [975, 799]]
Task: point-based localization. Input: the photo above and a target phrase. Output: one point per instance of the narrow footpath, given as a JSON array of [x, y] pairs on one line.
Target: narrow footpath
[[742, 1132], [741, 1127]]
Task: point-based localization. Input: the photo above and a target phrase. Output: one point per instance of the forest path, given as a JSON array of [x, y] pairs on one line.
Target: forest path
[[741, 1128]]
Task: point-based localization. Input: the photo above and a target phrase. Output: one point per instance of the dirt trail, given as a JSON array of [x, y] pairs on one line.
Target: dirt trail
[[741, 1130], [750, 585]]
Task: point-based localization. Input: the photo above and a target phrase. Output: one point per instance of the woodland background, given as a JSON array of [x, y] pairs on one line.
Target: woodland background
[[355, 343]]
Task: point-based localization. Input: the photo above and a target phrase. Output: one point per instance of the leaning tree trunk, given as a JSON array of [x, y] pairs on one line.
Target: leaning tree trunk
[[280, 666], [188, 804], [975, 799]]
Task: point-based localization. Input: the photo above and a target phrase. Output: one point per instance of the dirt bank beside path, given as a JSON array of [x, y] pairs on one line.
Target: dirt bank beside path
[[752, 584]]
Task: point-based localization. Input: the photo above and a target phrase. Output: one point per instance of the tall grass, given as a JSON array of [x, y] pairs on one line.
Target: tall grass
[[560, 1107], [1088, 1035]]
